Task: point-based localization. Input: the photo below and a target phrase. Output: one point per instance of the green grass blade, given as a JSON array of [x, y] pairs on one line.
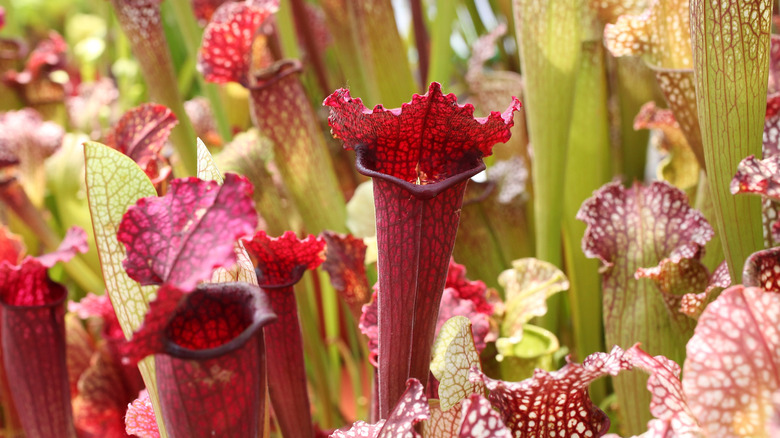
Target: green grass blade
[[549, 41], [441, 62], [589, 142], [548, 37]]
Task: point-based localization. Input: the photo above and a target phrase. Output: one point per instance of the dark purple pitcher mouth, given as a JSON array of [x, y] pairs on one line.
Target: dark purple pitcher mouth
[[252, 312], [365, 164]]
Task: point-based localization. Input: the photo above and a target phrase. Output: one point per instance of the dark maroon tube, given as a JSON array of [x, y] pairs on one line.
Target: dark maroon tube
[[416, 227], [286, 371], [284, 342], [279, 264], [33, 342], [210, 376]]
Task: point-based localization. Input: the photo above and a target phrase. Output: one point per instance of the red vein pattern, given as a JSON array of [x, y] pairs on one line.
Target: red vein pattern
[[279, 264], [692, 304], [180, 238], [629, 229], [210, 376], [281, 110], [345, 264], [756, 176], [33, 342], [461, 297], [32, 327], [140, 420], [668, 404], [141, 134], [480, 420], [11, 246], [421, 157], [281, 261]]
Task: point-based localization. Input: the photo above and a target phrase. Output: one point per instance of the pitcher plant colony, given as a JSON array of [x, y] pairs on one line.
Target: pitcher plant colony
[[389, 218]]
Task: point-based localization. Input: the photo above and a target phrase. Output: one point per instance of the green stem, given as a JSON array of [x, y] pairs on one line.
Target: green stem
[[188, 25], [589, 142], [441, 51], [332, 320], [312, 52], [346, 29], [316, 354], [636, 85], [549, 40], [143, 26], [286, 31]]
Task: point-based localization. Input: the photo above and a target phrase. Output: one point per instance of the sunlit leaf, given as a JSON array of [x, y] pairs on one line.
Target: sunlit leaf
[[679, 167], [454, 355], [661, 33], [610, 10], [442, 423], [731, 45], [114, 183]]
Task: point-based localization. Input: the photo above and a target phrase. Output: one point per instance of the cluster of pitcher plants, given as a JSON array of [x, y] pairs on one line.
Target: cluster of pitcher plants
[[208, 231]]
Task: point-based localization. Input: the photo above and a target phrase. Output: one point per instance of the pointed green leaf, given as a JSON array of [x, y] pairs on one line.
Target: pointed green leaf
[[454, 355], [115, 182], [207, 168]]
